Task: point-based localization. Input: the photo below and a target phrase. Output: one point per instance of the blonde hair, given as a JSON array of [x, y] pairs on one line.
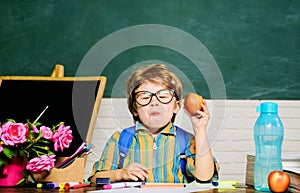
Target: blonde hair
[[158, 73]]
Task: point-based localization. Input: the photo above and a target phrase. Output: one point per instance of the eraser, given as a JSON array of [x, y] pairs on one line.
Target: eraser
[[102, 181]]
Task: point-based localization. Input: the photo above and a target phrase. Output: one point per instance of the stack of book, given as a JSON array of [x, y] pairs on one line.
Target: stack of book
[[291, 165], [290, 161], [250, 170], [295, 179]]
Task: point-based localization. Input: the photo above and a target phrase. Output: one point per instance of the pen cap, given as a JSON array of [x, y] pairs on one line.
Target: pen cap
[[102, 181]]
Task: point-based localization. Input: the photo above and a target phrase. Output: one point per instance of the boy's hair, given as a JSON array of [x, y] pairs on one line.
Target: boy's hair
[[158, 73]]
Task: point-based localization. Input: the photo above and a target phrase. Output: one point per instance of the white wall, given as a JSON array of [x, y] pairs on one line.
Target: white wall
[[230, 130]]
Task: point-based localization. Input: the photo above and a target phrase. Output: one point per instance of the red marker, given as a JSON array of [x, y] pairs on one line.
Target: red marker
[[69, 185], [80, 185]]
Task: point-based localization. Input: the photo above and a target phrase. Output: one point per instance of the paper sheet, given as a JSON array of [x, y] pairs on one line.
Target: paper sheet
[[192, 187]]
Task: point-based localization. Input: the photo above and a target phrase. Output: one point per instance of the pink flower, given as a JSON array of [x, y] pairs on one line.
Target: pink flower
[[40, 164], [13, 133], [62, 138], [47, 133], [34, 130]]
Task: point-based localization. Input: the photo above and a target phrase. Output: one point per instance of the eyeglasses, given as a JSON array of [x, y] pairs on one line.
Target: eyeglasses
[[164, 96]]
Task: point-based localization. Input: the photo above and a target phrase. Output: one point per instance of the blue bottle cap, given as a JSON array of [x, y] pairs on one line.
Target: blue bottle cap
[[267, 107]]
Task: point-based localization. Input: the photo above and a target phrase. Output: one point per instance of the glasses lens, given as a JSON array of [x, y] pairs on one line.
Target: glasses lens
[[143, 97], [165, 95]]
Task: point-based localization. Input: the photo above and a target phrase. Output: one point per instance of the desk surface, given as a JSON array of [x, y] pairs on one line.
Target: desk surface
[[86, 189]]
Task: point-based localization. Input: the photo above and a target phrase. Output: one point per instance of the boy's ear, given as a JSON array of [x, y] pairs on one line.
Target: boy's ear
[[176, 107]]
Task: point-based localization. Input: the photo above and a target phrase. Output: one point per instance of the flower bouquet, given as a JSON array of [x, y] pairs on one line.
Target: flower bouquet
[[34, 144]]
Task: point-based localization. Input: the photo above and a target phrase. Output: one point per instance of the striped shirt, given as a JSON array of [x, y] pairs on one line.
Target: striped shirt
[[161, 154]]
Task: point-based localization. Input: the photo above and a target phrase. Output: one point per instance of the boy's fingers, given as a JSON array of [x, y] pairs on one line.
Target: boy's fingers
[[136, 175], [133, 177], [141, 176], [144, 169], [141, 167]]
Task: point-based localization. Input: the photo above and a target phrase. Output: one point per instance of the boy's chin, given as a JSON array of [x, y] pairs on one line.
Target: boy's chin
[[156, 124]]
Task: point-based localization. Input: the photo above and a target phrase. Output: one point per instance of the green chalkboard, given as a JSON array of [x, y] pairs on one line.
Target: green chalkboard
[[250, 48]]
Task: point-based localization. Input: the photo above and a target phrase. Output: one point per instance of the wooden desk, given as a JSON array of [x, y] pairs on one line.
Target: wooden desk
[[83, 190]]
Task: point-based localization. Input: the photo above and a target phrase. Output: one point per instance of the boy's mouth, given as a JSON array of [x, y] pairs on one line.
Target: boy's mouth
[[154, 113]]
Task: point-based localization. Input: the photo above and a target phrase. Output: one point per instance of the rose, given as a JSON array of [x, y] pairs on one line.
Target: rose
[[14, 133], [40, 164], [62, 138], [47, 133]]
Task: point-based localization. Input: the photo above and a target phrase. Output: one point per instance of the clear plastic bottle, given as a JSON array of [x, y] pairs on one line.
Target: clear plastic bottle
[[268, 136]]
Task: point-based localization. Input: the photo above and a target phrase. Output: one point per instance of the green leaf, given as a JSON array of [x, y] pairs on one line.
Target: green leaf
[[43, 141], [37, 124], [9, 152], [56, 126], [21, 152], [40, 151], [51, 153], [2, 162], [11, 120]]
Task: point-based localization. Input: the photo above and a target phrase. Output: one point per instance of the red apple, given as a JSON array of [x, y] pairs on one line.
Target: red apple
[[192, 103], [278, 181]]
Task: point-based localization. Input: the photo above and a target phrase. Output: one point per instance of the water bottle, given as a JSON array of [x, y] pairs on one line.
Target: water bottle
[[268, 136]]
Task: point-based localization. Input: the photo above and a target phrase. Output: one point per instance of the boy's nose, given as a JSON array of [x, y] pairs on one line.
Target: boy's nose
[[154, 100]]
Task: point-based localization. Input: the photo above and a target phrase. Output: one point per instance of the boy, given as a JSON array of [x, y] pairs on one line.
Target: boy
[[154, 97]]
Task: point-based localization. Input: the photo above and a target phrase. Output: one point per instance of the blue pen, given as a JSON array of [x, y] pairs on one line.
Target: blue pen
[[89, 147], [52, 185]]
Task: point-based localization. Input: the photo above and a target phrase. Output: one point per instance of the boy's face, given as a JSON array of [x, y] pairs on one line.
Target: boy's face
[[155, 115]]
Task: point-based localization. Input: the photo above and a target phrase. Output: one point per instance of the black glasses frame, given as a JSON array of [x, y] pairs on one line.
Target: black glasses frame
[[155, 94]]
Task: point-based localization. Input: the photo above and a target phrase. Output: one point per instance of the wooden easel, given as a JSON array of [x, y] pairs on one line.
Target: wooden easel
[[57, 75], [58, 71]]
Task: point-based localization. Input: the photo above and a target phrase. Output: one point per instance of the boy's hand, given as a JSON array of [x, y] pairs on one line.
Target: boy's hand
[[201, 118], [135, 172]]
